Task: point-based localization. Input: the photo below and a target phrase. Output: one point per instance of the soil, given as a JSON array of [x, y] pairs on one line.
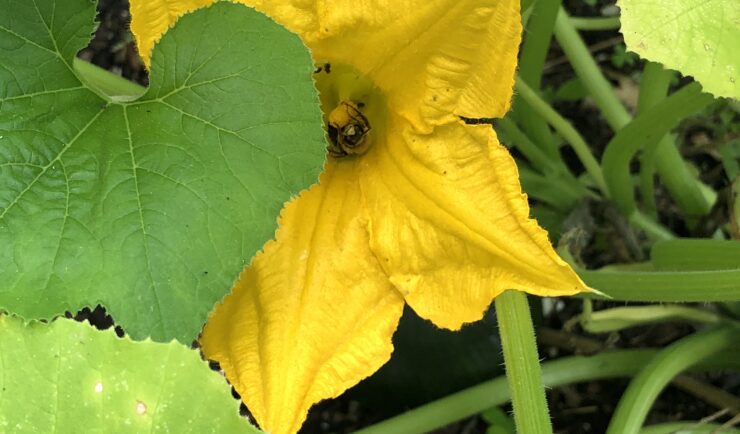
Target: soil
[[580, 408]]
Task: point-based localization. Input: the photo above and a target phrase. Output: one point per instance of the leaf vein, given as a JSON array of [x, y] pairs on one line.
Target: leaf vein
[[44, 92], [64, 225], [145, 235], [54, 160]]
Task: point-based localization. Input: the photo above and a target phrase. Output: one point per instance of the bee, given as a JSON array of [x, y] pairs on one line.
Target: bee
[[348, 130]]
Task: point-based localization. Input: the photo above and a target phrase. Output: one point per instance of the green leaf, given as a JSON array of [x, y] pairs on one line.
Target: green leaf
[[688, 427], [696, 37], [150, 207], [68, 377]]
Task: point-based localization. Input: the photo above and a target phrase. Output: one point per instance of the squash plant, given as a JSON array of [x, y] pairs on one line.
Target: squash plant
[[298, 172]]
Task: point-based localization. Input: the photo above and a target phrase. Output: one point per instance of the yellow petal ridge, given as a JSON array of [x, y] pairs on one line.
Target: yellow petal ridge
[[444, 59], [450, 225], [313, 314]]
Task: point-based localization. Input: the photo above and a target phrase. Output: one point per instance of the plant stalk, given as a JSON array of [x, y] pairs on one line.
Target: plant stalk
[[532, 57], [671, 167], [567, 370], [676, 358], [566, 130], [688, 427], [595, 24], [664, 286], [522, 363]]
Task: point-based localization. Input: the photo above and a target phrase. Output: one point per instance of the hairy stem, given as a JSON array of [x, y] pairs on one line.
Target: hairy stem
[[522, 363]]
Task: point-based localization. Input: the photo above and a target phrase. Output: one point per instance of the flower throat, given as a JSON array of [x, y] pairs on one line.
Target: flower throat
[[352, 107]]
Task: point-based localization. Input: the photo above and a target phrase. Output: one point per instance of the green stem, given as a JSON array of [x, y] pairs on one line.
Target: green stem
[[682, 184], [619, 318], [531, 151], [671, 167], [565, 129], [588, 71], [641, 133], [536, 42], [654, 85], [567, 370], [527, 6], [647, 180], [522, 363], [565, 182], [712, 395], [668, 286], [532, 57], [696, 254], [676, 358], [688, 427], [551, 189], [651, 227], [598, 23]]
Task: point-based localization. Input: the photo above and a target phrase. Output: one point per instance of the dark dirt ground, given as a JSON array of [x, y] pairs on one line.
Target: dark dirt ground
[[581, 408]]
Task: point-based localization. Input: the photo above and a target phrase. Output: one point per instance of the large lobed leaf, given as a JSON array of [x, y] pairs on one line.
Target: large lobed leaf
[[67, 377], [150, 207], [696, 37]]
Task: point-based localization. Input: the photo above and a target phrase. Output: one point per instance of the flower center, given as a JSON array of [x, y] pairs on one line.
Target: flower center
[[348, 130], [352, 106]]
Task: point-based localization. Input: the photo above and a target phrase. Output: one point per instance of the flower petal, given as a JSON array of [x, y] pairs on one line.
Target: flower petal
[[313, 315], [450, 225], [434, 59], [151, 18]]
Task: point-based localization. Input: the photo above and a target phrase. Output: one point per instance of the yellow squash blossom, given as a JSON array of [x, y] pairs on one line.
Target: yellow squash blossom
[[414, 205]]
